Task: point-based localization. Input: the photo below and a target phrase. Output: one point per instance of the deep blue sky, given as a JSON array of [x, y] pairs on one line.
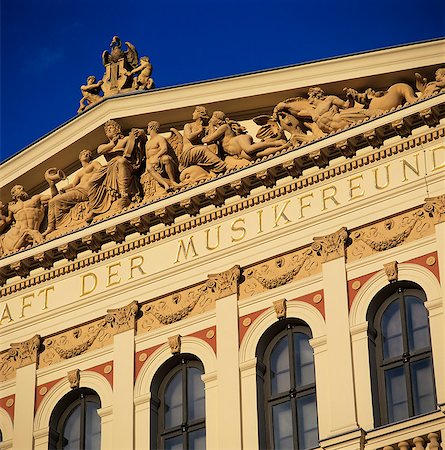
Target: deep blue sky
[[49, 47]]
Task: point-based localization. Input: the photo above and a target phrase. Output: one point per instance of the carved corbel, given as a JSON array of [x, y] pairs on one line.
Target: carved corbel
[[241, 187], [294, 167], [124, 318], [191, 205], [74, 378], [280, 307], [430, 117], [216, 196], [225, 283], [21, 268], [402, 127], [175, 344], [267, 177], [93, 242], [331, 246], [374, 138], [24, 353], [142, 224], [45, 259], [392, 271], [319, 158], [69, 250], [116, 232], [165, 215], [435, 208], [346, 148]]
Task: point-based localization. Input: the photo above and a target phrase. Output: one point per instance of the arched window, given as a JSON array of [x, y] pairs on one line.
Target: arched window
[[178, 405], [400, 352], [286, 388], [74, 423]]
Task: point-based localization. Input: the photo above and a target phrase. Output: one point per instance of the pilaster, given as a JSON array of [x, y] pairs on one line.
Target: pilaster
[[249, 401]]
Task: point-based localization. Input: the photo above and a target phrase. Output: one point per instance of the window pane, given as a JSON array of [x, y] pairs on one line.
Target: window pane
[[174, 443], [423, 386], [71, 430], [392, 331], [282, 426], [396, 396], [92, 427], [279, 367], [304, 360], [197, 440], [418, 330], [195, 391], [173, 402], [307, 422]]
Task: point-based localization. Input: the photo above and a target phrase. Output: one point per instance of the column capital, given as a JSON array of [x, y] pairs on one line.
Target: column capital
[[24, 353], [331, 246], [124, 318], [224, 283], [435, 207]]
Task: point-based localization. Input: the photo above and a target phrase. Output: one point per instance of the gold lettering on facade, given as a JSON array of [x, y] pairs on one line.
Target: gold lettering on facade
[[280, 214], [93, 285], [185, 249], [438, 165], [238, 226], [113, 275], [376, 178], [304, 205], [6, 314], [26, 304], [415, 169], [355, 187], [329, 196], [260, 221], [45, 295], [213, 247], [136, 264]]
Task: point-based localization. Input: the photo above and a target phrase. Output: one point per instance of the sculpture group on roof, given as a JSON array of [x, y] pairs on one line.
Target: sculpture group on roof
[[143, 164]]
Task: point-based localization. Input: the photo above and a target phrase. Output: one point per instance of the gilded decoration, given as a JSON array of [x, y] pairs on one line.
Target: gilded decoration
[[19, 355], [392, 271], [331, 246], [279, 271], [389, 233], [435, 208]]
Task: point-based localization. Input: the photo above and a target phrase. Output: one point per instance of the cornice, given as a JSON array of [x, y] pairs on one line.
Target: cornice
[[140, 220]]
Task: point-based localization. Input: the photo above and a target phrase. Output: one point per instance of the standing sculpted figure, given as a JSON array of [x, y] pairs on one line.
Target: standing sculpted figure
[[26, 215], [194, 152], [236, 143], [90, 93], [66, 198], [114, 186], [160, 158]]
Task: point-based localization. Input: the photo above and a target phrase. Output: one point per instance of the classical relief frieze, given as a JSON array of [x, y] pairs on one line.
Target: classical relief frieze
[[19, 355], [389, 233], [279, 271]]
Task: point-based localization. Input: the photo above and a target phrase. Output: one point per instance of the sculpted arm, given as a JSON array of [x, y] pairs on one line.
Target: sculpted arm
[[217, 134], [189, 133]]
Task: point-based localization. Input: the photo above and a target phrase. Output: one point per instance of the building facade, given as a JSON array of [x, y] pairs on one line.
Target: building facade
[[203, 288]]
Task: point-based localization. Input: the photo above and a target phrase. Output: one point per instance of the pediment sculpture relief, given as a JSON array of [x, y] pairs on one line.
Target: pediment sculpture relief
[[144, 164]]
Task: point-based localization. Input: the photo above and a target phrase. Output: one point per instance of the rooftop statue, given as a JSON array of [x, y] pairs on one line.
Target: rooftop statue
[[90, 93]]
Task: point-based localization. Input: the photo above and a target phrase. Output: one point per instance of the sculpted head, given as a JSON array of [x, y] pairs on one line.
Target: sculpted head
[[91, 79], [440, 74], [218, 117], [316, 92], [200, 112], [112, 129], [145, 59], [18, 193], [153, 125], [85, 155]]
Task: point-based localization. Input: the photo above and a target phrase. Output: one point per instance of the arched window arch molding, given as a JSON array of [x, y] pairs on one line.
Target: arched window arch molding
[[359, 333], [407, 272], [7, 428], [88, 379], [191, 345], [294, 310]]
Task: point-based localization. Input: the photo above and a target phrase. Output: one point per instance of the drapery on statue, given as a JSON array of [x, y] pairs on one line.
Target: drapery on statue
[[24, 218], [115, 186], [90, 93], [69, 205]]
